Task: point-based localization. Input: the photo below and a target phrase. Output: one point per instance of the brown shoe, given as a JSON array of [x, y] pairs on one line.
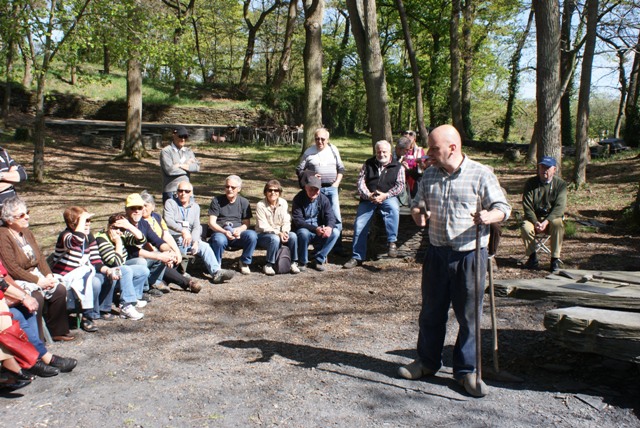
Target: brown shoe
[[64, 338], [414, 370], [194, 286], [392, 250]]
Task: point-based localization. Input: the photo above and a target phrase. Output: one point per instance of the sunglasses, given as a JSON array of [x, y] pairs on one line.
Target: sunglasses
[[230, 187], [320, 139], [184, 137], [273, 190], [184, 191], [135, 208], [23, 215]]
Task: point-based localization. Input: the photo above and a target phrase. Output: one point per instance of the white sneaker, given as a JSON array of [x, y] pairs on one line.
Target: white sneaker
[[130, 312], [141, 304], [244, 269], [268, 270], [294, 268]]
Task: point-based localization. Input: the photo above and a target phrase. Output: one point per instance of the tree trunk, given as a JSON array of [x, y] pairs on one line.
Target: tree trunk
[[566, 70], [38, 131], [632, 122], [133, 146], [514, 78], [285, 58], [106, 59], [468, 13], [582, 120], [548, 82], [27, 75], [313, 16], [415, 71], [6, 101], [364, 27], [622, 78], [454, 52], [251, 39]]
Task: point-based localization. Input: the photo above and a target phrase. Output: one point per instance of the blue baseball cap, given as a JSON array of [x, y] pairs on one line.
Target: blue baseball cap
[[547, 161]]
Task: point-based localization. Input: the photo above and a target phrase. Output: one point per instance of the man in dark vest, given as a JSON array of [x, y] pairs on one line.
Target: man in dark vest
[[381, 179]]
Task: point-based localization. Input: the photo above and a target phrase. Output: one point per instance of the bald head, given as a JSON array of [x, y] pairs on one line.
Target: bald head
[[445, 147]]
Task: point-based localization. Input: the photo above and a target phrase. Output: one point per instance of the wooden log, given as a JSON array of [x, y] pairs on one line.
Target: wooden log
[[615, 334]]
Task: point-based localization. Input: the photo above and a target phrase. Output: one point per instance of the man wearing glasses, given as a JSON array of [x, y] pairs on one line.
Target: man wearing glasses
[[182, 215], [177, 162], [323, 159], [229, 220]]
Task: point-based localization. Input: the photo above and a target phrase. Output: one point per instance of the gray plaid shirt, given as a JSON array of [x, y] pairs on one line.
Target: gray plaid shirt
[[453, 198]]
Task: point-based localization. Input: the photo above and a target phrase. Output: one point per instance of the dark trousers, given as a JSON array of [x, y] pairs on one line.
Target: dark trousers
[[448, 278]]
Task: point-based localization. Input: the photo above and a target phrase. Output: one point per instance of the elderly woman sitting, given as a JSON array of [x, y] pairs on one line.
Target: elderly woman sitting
[[25, 263], [78, 262], [273, 224], [24, 308]]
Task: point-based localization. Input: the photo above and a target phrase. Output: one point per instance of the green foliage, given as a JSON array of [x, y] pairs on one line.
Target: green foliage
[[570, 230]]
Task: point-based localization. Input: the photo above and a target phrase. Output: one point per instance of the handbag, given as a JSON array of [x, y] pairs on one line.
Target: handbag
[[283, 260], [16, 342]]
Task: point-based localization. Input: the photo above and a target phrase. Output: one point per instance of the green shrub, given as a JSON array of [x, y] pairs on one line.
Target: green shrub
[[570, 229]]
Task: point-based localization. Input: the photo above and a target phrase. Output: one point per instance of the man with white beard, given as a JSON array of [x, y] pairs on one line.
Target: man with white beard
[[381, 179]]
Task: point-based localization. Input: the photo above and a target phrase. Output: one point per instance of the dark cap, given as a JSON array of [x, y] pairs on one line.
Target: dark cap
[[547, 161], [311, 180], [181, 132]]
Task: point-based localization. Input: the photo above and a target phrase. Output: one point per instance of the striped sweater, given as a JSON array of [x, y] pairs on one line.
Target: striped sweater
[[71, 248]]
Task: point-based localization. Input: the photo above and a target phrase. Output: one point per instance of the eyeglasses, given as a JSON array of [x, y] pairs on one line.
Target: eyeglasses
[[273, 190], [184, 191], [230, 187], [23, 215], [320, 139], [409, 133], [135, 208]]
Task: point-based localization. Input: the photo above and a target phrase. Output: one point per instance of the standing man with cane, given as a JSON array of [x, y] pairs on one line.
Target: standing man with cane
[[447, 196]]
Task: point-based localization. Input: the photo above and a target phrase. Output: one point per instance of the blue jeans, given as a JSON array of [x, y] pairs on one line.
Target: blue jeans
[[132, 282], [246, 242], [205, 252], [271, 242], [156, 269], [332, 194], [322, 246], [102, 296], [390, 210], [29, 323], [448, 278]]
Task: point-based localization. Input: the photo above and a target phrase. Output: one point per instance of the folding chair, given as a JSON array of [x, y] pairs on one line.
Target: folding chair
[[541, 243]]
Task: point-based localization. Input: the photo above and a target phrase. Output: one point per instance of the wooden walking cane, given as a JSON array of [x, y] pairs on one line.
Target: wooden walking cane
[[478, 308]]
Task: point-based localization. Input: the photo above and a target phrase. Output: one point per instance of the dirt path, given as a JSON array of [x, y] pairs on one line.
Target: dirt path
[[307, 350]]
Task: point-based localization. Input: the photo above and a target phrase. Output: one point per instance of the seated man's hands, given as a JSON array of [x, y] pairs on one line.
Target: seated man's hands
[[540, 227], [284, 236], [186, 237]]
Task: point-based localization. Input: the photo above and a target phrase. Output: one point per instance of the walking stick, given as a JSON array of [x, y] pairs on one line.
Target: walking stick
[[478, 306]]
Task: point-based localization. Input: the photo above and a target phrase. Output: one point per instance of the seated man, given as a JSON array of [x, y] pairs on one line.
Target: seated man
[[229, 219], [381, 179], [182, 215], [544, 201], [136, 242], [314, 223]]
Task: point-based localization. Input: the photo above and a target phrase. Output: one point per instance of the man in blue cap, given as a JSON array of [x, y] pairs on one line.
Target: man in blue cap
[[544, 201]]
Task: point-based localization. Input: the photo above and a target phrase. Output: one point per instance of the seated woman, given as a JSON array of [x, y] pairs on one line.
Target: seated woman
[[24, 308], [273, 225], [131, 278], [171, 274], [28, 267], [12, 376], [77, 260]]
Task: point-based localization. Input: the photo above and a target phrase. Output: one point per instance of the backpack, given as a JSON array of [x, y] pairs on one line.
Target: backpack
[[283, 260]]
